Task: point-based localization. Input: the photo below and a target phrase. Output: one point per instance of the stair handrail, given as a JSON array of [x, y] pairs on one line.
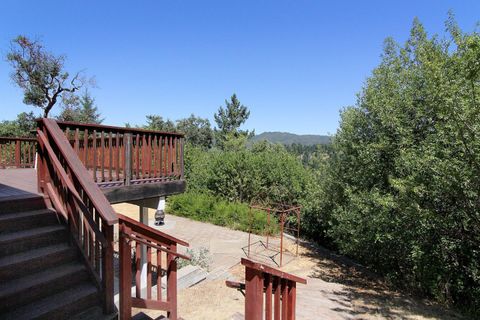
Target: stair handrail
[[93, 192], [150, 233], [131, 231], [65, 181], [68, 183]]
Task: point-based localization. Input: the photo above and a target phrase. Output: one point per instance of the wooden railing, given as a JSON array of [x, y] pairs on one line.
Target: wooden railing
[[17, 152], [262, 280], [133, 236], [118, 156], [64, 180]]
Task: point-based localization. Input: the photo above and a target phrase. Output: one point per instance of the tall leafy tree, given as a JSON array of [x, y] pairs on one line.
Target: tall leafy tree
[[20, 127], [404, 178], [156, 122], [198, 131], [81, 109], [41, 74], [229, 120]]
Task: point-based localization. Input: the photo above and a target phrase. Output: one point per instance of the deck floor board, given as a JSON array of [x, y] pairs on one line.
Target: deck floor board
[[17, 182]]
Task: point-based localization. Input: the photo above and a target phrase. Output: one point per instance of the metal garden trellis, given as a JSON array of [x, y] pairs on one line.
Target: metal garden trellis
[[283, 212]]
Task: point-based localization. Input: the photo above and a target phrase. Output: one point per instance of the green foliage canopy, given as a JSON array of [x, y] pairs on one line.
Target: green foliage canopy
[[264, 173], [40, 74], [81, 109], [229, 120], [20, 127], [403, 181], [198, 131]]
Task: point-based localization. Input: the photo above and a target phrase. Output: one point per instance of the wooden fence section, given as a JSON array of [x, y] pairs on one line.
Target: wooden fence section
[[264, 281], [118, 156], [17, 152], [64, 180], [133, 236]]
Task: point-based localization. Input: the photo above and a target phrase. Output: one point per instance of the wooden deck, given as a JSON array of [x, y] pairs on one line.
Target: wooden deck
[[17, 183]]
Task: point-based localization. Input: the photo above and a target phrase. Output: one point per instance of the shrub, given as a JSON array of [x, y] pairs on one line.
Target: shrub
[[200, 257], [208, 208], [402, 188], [264, 173]]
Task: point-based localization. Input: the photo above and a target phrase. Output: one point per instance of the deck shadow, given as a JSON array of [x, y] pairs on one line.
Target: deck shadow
[[368, 293]]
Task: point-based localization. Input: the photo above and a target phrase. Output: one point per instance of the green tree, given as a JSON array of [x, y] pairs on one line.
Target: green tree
[[81, 109], [155, 122], [403, 181], [198, 131], [20, 127], [229, 120], [40, 74], [263, 173]]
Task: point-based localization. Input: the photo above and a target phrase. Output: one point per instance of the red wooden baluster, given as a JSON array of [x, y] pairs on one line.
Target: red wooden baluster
[[277, 302], [102, 154], [292, 292], [117, 157], [159, 275], [268, 297], [284, 299], [149, 272], [85, 148], [172, 283], [154, 150], [17, 153], [94, 157], [110, 156], [138, 256], [137, 150]]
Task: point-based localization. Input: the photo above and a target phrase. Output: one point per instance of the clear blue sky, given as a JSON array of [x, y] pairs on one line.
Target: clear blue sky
[[295, 64]]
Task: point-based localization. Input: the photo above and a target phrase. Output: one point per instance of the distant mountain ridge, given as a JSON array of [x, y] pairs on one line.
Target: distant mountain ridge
[[287, 138]]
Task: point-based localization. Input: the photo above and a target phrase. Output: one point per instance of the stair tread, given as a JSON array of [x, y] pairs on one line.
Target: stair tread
[[21, 202], [24, 214], [8, 288], [12, 236], [26, 256], [94, 313], [53, 302]]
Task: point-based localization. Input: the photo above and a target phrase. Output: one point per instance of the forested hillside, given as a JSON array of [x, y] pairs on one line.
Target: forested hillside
[[286, 138]]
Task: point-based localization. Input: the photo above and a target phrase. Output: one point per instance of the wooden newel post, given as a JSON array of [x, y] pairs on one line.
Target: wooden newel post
[[107, 270], [42, 178], [172, 283], [253, 294]]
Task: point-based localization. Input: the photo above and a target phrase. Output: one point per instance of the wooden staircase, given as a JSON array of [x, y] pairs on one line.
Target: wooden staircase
[[57, 247], [41, 271]]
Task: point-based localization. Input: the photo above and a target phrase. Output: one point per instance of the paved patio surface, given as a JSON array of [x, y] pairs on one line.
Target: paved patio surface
[[336, 288]]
